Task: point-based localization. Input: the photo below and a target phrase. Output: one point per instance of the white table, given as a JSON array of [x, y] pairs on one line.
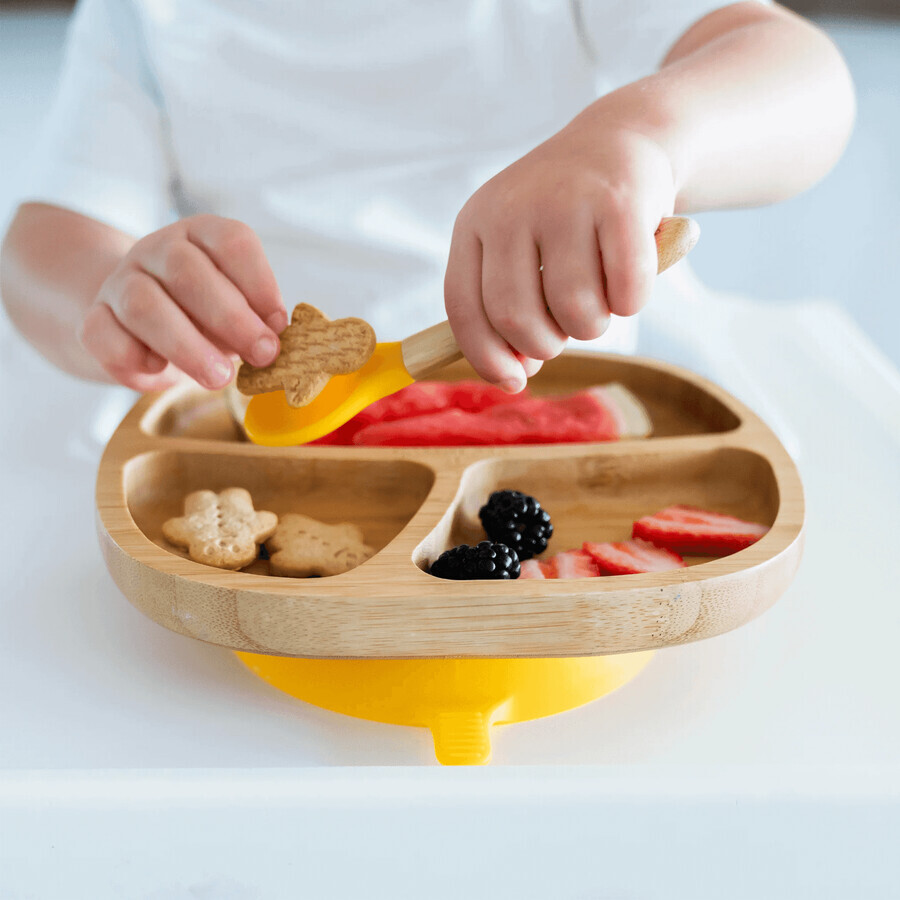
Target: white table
[[764, 763]]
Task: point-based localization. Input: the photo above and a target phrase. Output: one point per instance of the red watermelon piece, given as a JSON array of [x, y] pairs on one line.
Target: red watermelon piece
[[420, 399], [585, 416], [687, 530], [632, 557]]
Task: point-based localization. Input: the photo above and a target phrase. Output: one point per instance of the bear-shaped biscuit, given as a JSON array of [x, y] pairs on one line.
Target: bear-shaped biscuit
[[222, 530], [313, 348], [302, 547]]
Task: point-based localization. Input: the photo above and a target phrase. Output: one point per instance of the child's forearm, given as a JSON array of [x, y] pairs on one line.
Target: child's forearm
[[53, 264], [186, 298], [753, 105]]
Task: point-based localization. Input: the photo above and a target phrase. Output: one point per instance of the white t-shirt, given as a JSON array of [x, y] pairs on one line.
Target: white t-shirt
[[348, 134]]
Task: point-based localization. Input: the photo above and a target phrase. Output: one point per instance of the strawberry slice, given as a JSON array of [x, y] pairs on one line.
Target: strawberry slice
[[632, 558], [573, 564], [685, 529], [531, 568]]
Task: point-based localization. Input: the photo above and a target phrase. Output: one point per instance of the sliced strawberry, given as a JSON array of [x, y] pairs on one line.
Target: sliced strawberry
[[632, 558], [685, 529], [531, 568], [574, 564]]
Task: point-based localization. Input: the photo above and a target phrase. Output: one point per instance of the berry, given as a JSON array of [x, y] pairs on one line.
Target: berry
[[485, 560], [632, 557], [518, 521], [531, 568], [685, 529], [572, 564]]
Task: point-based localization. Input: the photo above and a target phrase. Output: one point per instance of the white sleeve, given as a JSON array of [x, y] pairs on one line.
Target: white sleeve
[[103, 149], [629, 39]]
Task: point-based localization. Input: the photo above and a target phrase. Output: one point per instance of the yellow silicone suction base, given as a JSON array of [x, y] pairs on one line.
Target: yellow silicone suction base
[[458, 699]]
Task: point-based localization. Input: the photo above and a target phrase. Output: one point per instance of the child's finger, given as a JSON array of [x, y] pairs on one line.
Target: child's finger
[[120, 353], [144, 309], [572, 281], [211, 300], [238, 253], [490, 356], [514, 298], [531, 366], [144, 383], [630, 260]]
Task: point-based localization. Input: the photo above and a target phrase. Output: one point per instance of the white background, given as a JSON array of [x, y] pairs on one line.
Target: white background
[[764, 763]]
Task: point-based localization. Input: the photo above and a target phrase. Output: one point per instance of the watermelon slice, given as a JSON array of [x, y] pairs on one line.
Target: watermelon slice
[[420, 399], [632, 557], [685, 529], [595, 414]]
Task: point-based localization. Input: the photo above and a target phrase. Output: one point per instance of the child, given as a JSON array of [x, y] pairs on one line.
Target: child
[[320, 152]]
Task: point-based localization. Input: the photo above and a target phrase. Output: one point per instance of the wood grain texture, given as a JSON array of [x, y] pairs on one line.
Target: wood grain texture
[[429, 350], [675, 238], [412, 503]]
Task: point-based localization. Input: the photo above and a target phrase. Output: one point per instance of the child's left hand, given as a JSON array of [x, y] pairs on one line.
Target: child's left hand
[[552, 245]]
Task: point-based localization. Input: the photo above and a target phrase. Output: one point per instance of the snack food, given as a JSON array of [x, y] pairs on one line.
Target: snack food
[[686, 529], [595, 414], [632, 557], [222, 530], [531, 568], [517, 520], [303, 547], [485, 560], [571, 564], [422, 398], [440, 413], [313, 348]]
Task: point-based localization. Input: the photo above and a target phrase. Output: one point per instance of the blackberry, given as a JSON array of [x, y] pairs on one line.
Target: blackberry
[[517, 520], [486, 560]]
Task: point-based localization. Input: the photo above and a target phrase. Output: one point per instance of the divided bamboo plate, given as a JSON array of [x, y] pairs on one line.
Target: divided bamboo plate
[[708, 450]]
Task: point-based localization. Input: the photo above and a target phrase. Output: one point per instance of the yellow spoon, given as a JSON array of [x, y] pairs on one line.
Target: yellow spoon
[[271, 421]]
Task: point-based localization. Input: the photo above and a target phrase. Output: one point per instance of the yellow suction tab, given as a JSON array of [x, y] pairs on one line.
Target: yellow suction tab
[[269, 419]]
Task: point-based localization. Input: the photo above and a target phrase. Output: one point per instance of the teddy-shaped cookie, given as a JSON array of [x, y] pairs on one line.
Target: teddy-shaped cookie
[[302, 547], [313, 348], [222, 530]]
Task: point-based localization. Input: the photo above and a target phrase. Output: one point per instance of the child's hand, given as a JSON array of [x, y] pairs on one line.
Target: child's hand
[[584, 206], [190, 295]]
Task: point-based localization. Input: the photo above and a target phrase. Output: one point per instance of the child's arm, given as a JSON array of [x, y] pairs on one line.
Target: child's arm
[[752, 105], [101, 305]]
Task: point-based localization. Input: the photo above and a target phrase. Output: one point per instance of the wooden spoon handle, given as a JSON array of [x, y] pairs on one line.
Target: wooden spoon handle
[[675, 238], [436, 347]]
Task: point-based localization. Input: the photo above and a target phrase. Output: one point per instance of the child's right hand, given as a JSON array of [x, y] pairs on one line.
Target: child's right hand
[[187, 297]]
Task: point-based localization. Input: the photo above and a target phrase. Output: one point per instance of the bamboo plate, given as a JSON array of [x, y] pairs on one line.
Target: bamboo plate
[[709, 450]]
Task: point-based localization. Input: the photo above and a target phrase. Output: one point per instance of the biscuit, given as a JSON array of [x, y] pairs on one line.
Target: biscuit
[[313, 348], [302, 546], [222, 530]]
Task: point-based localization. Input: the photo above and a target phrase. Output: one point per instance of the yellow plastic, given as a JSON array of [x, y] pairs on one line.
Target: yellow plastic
[[269, 419], [458, 699]]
